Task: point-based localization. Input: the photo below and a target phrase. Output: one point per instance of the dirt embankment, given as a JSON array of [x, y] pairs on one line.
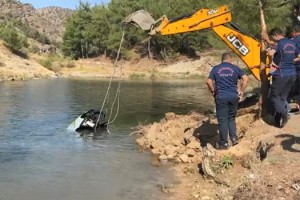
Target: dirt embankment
[[145, 68], [243, 172], [14, 67]]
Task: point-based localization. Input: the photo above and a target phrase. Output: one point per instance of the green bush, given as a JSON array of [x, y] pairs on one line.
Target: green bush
[[137, 76], [31, 32], [70, 64], [12, 38], [34, 48], [46, 63], [226, 162]]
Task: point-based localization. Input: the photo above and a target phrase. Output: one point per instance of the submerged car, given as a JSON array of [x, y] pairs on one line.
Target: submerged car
[[90, 121]]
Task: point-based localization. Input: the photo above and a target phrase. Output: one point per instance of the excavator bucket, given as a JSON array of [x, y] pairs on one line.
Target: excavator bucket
[[140, 18]]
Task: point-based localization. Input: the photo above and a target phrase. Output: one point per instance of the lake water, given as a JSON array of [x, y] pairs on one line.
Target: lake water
[[41, 160]]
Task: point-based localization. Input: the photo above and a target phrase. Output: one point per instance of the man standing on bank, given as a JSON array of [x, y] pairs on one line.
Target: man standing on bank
[[223, 83], [284, 76], [296, 39]]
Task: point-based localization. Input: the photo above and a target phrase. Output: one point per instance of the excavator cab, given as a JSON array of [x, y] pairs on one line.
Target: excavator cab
[[245, 46]]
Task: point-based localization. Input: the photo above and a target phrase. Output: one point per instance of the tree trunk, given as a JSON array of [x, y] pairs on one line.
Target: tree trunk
[[265, 84]]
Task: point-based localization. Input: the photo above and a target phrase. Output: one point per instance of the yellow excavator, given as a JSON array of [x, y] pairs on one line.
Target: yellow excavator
[[245, 46]]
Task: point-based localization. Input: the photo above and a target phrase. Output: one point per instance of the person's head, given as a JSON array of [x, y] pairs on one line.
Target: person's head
[[226, 57], [276, 34], [296, 30]]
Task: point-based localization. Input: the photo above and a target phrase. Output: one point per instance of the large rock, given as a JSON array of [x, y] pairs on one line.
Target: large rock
[[180, 150], [170, 150], [184, 158], [142, 142], [152, 132], [156, 152], [171, 157], [193, 145], [190, 153], [176, 142], [170, 116], [162, 157], [156, 144]]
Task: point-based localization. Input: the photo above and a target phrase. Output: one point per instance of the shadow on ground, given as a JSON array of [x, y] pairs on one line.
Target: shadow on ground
[[289, 142], [207, 133], [249, 100]]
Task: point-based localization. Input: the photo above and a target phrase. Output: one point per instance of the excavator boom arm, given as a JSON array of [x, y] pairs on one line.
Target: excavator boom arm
[[246, 47], [199, 20]]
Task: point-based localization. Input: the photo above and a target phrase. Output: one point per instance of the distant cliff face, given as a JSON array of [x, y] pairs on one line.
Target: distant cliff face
[[49, 20]]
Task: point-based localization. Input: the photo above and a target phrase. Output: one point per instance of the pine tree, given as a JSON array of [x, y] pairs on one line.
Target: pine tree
[[94, 31]]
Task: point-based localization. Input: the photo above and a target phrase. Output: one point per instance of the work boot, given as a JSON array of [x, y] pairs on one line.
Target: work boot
[[234, 141], [284, 120], [221, 146], [278, 120]]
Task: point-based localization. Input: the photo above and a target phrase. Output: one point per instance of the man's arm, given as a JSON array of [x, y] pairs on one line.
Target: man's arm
[[266, 39], [271, 52], [243, 85], [210, 85], [297, 59]]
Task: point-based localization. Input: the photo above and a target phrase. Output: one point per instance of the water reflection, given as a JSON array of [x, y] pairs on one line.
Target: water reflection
[[40, 159]]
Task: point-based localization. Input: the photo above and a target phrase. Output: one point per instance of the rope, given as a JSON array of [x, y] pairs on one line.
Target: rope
[[111, 77], [117, 97]]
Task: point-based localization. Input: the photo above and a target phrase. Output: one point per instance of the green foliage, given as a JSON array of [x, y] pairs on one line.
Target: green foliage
[[55, 62], [226, 161], [94, 31], [86, 32], [70, 64], [31, 32], [46, 63], [137, 76], [13, 39]]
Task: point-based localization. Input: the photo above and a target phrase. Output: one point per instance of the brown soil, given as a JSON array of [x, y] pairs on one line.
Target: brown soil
[[239, 173], [144, 68], [14, 67]]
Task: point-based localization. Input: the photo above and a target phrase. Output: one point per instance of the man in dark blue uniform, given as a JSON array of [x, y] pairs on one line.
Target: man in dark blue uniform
[[283, 77], [296, 39], [223, 84]]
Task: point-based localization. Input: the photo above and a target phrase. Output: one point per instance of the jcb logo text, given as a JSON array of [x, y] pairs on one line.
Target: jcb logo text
[[238, 44], [211, 12]]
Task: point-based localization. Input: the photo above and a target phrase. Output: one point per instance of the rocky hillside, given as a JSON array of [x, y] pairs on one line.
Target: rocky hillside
[[49, 20]]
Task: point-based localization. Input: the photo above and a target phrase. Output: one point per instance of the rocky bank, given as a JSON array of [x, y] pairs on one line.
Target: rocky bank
[[261, 166]]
